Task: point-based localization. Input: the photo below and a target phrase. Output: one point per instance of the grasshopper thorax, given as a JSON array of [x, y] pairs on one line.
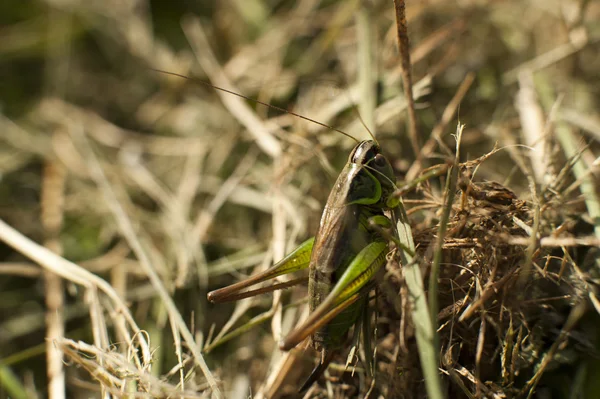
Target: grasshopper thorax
[[367, 154]]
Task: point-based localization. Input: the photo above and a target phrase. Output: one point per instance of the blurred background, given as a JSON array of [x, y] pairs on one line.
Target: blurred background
[[161, 185]]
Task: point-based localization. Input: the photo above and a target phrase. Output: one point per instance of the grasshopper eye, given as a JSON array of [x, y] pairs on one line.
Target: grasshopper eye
[[379, 160]]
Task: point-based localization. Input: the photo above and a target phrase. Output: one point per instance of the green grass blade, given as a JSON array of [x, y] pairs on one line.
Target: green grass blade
[[425, 330]]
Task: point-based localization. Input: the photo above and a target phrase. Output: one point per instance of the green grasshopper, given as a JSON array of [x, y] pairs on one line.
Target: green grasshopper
[[348, 249]]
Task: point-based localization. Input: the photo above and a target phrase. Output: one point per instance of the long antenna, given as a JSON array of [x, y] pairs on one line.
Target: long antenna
[[257, 102], [364, 124]]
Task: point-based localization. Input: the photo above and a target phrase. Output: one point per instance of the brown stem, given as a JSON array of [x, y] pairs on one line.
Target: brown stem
[[403, 46]]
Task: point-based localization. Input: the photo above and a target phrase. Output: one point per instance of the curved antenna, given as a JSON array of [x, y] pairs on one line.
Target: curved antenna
[[259, 102], [364, 124], [353, 106]]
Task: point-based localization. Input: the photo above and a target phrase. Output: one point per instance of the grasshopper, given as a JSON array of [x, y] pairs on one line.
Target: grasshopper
[[347, 251]]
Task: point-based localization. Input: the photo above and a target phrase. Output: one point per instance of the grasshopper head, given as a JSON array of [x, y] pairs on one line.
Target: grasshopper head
[[368, 154]]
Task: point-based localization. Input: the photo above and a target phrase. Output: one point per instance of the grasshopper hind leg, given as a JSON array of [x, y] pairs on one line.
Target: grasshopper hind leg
[[326, 358]]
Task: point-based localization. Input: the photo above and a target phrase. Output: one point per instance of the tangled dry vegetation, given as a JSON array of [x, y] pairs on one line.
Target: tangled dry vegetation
[[127, 194]]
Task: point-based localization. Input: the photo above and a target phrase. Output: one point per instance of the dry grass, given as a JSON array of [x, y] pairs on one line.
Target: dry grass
[[158, 189]]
